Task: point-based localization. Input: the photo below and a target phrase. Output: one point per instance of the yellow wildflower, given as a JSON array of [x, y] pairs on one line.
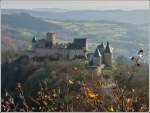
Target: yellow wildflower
[[71, 82], [91, 94]]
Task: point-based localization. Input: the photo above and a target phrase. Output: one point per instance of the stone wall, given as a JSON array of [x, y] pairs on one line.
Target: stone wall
[[67, 54]]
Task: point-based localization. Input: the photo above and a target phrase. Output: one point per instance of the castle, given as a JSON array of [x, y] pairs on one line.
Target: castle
[[50, 48], [101, 56]]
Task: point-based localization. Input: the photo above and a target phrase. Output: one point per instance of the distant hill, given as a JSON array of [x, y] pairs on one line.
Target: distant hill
[[134, 16], [25, 21]]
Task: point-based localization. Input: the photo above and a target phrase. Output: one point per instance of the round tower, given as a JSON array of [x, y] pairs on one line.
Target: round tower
[[97, 58], [101, 48], [107, 55]]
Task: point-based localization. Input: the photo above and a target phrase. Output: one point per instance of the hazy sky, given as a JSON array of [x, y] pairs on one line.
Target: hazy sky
[[76, 5]]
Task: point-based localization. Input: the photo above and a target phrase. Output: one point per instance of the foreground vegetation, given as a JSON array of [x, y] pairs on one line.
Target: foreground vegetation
[[71, 86]]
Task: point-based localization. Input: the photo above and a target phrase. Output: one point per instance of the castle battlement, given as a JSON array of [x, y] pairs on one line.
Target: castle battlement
[[49, 47]]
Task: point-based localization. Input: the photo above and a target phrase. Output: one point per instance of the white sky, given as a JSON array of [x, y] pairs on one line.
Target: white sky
[[76, 5]]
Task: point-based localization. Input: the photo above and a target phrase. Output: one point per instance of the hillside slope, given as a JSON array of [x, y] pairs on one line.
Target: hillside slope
[[25, 21]]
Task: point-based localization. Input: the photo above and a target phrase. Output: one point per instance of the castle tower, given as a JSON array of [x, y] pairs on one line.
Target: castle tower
[[101, 49], [97, 58], [107, 55], [34, 40], [51, 38]]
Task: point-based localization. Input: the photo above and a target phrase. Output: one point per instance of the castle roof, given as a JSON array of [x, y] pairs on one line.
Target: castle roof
[[107, 49], [101, 47], [34, 39], [97, 53]]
